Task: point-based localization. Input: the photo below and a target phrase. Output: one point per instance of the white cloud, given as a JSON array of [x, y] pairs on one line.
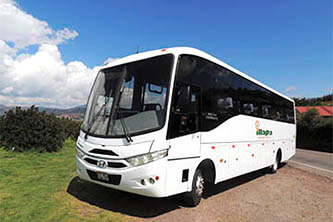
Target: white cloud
[[329, 90], [62, 35], [41, 78], [44, 78], [7, 90], [290, 89], [22, 29]]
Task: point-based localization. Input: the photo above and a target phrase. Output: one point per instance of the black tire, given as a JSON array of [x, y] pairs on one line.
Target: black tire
[[193, 197]]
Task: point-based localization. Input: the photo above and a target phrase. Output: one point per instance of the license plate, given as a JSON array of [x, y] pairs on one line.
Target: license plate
[[102, 176]]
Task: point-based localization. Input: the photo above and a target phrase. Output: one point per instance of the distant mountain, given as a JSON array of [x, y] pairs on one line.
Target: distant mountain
[[3, 109], [76, 112], [326, 100], [56, 111]]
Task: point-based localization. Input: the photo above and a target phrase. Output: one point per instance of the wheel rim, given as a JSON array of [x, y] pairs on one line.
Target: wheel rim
[[199, 185], [275, 165]]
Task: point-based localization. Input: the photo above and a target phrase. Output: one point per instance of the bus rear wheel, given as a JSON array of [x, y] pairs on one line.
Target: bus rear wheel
[[274, 167], [193, 197]]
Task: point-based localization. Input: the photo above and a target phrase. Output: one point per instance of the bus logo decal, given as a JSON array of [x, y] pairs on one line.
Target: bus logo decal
[[261, 132]]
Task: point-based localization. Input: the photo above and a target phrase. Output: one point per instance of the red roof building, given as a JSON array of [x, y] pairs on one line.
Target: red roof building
[[324, 111]]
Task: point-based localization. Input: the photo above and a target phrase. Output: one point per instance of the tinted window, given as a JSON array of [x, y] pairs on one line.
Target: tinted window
[[226, 94]]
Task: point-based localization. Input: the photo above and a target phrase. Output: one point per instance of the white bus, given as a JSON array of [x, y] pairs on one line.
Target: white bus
[[169, 121]]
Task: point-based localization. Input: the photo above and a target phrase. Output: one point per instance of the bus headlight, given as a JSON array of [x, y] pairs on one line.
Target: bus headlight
[[147, 158], [79, 153]]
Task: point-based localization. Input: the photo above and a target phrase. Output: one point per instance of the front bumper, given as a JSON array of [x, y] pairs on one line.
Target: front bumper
[[136, 180]]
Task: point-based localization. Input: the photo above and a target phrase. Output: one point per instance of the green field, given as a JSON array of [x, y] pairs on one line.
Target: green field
[[34, 187]]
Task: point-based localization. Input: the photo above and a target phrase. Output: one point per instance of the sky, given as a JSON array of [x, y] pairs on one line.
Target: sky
[[51, 51]]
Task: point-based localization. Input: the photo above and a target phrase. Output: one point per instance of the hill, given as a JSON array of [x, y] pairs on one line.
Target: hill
[[3, 109], [75, 113], [326, 100]]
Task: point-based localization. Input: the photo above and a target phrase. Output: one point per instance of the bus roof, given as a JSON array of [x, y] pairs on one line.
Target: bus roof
[[189, 51]]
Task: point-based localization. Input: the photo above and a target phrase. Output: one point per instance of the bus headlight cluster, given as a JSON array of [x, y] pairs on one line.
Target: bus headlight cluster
[[147, 158], [79, 153]]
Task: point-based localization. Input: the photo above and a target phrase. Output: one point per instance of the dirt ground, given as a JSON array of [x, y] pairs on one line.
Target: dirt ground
[[291, 194]]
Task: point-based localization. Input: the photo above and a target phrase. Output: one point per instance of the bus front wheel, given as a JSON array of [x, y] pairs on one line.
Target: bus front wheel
[[193, 197]]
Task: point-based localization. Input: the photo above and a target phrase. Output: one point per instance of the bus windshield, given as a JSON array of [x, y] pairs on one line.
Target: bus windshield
[[129, 99]]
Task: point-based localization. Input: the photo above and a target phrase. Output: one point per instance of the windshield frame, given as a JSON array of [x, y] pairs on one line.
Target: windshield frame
[[166, 103]]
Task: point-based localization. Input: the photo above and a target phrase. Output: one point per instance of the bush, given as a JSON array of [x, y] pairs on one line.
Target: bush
[[71, 128], [29, 129], [314, 131]]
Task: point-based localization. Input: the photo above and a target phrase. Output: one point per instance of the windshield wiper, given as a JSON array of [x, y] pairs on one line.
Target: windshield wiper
[[126, 132], [122, 121], [116, 107], [97, 114]]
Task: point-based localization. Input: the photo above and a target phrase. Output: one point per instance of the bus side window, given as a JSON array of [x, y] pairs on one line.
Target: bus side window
[[185, 111]]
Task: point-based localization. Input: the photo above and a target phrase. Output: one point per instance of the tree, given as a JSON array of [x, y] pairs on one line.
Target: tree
[[313, 131], [22, 130]]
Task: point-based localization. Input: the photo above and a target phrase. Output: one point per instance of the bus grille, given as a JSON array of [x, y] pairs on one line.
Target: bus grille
[[110, 164]]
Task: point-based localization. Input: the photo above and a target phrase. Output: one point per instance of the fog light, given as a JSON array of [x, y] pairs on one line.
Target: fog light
[[143, 182], [151, 180]]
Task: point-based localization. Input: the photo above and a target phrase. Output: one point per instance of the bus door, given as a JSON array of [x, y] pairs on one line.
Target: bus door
[[184, 123]]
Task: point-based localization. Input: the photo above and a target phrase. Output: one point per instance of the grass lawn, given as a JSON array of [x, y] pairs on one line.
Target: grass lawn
[[33, 187]]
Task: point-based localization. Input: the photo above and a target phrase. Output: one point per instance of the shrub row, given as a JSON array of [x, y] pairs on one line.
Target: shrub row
[[30, 129], [314, 132]]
